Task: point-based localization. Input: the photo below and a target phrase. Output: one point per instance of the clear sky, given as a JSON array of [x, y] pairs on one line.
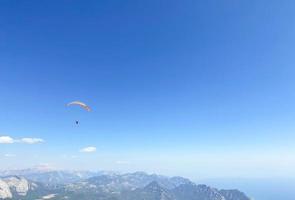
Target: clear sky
[[193, 88]]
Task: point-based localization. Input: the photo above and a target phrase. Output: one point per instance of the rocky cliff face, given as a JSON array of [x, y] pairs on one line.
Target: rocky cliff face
[[4, 190], [15, 185], [18, 184]]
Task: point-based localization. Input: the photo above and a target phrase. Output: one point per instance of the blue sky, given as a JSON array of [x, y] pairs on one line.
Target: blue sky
[[193, 88]]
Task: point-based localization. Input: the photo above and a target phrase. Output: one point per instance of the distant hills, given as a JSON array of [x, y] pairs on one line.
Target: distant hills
[[56, 185]]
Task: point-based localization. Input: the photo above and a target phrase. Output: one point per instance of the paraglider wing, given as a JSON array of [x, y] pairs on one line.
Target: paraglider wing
[[81, 104]]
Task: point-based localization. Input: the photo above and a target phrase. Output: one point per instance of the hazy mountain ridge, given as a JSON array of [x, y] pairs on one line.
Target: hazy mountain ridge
[[129, 186], [50, 176]]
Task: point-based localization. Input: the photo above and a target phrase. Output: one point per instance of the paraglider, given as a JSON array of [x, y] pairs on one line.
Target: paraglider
[[80, 104]]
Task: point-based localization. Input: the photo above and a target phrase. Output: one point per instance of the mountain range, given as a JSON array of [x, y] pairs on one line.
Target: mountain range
[[33, 184]]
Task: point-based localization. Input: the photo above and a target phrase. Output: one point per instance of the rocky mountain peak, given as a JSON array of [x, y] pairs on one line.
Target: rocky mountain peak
[[4, 190], [154, 186], [18, 184]]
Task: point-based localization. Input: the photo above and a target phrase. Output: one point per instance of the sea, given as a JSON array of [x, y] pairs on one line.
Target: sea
[[258, 188]]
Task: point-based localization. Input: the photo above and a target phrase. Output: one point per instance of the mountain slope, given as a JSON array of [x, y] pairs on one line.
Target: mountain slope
[[131, 186], [233, 195], [152, 191], [197, 192], [119, 182]]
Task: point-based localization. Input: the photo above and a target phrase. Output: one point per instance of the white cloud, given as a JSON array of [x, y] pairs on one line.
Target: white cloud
[[9, 155], [88, 150], [31, 140], [6, 140], [10, 140], [122, 162]]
